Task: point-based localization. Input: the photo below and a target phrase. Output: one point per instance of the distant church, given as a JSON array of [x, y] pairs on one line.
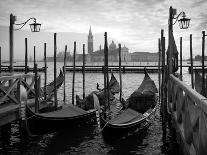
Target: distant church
[[113, 53], [90, 42], [97, 56]]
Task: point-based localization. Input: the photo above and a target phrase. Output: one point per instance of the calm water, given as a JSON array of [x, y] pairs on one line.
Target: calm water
[[88, 140]]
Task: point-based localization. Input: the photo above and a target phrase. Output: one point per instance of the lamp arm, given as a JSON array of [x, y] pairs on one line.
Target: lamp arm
[[24, 23], [176, 18]]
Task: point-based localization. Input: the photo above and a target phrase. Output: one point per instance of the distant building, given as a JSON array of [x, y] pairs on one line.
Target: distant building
[[60, 57], [113, 54], [144, 56]]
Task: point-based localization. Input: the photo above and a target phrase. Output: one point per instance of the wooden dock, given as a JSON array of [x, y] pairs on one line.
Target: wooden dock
[[124, 69], [10, 101], [20, 68], [196, 68]]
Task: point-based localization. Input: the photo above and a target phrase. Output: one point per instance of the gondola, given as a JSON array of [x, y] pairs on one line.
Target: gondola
[[68, 117], [88, 102], [50, 119], [136, 113], [49, 87]]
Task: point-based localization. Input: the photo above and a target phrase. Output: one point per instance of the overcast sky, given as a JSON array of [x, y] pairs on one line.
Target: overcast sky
[[135, 23]]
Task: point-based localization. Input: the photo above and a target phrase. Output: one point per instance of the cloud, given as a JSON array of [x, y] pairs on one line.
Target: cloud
[[134, 23], [198, 3]]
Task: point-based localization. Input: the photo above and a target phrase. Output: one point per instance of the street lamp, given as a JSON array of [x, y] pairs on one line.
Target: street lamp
[[183, 21], [35, 27], [172, 52]]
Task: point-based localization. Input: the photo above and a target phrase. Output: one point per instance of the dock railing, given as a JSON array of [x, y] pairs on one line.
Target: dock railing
[[189, 111], [7, 89], [10, 100]]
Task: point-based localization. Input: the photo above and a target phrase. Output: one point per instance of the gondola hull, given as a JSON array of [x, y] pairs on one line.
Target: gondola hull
[[41, 123], [112, 131]]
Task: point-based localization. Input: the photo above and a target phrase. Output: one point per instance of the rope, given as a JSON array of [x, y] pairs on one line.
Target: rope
[[29, 117], [104, 126]]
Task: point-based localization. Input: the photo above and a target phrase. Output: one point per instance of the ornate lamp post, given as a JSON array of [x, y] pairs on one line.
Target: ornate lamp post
[[184, 24], [35, 27]]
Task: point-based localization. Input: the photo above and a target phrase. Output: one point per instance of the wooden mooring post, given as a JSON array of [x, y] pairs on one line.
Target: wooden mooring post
[[191, 62], [159, 72], [120, 74], [45, 71], [64, 72], [106, 79], [203, 64], [26, 56], [73, 84], [181, 59], [37, 89], [34, 55], [84, 62], [163, 110], [55, 70], [0, 59]]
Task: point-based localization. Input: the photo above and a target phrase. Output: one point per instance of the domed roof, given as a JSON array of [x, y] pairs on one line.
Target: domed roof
[[112, 45], [125, 48]]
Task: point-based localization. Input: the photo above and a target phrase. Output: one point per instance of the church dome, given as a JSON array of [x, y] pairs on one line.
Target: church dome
[[125, 49], [112, 45]]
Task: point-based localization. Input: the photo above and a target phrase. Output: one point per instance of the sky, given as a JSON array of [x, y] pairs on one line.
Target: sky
[[134, 23]]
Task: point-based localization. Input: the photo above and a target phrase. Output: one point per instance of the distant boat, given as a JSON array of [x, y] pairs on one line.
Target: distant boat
[[87, 103], [50, 88], [141, 108]]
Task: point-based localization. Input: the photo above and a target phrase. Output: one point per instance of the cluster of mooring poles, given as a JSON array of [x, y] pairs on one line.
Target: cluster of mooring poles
[[192, 71], [106, 76], [64, 69], [171, 67]]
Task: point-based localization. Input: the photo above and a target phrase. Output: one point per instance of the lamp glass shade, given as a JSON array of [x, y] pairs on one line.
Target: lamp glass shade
[[35, 27], [184, 23]]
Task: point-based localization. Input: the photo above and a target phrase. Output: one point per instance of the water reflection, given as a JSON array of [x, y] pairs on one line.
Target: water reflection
[[66, 141], [128, 144]]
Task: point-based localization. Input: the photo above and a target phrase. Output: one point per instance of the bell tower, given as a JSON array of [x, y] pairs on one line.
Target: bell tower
[[90, 42]]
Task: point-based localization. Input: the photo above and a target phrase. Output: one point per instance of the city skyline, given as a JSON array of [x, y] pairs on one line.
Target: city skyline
[[137, 24]]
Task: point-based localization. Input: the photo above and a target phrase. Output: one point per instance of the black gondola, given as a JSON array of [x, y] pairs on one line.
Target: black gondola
[[68, 117], [139, 109]]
